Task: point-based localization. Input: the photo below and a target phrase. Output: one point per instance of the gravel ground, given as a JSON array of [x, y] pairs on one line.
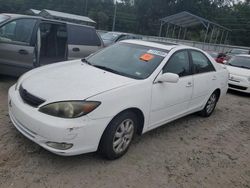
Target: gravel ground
[[190, 152]]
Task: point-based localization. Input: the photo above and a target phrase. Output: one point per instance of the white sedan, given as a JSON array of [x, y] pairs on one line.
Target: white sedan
[[239, 69], [101, 102]]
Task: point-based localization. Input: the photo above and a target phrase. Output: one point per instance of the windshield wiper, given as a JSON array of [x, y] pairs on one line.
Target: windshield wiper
[[233, 65], [244, 67], [240, 66], [84, 60], [108, 69]]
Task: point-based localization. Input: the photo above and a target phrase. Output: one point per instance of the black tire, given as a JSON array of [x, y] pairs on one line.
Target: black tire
[[106, 147], [208, 109]]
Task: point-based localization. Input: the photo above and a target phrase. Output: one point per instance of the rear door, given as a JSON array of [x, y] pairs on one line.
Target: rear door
[[204, 76], [82, 41], [17, 46]]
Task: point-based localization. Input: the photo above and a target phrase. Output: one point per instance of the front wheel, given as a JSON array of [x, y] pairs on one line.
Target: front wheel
[[118, 135], [210, 105]]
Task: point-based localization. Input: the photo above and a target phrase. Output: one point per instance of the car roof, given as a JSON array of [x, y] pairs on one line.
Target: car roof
[[21, 16], [167, 47], [16, 16]]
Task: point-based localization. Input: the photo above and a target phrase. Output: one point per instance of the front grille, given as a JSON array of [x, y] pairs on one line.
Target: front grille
[[30, 99], [237, 87]]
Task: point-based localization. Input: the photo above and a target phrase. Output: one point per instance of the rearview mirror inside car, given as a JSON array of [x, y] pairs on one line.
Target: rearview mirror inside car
[[168, 77]]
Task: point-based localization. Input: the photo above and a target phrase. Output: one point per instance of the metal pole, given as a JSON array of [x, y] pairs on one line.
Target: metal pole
[[160, 29], [114, 19], [167, 30], [226, 38], [217, 35], [211, 38], [206, 33], [222, 35], [86, 7], [185, 33], [179, 33], [173, 32]]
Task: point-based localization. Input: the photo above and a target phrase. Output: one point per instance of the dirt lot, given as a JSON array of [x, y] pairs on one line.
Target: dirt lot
[[190, 152]]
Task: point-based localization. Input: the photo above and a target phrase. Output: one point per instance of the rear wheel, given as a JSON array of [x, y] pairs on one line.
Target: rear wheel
[[118, 135], [210, 105]]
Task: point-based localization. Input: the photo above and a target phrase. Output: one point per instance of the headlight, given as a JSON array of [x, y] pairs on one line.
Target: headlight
[[69, 109]]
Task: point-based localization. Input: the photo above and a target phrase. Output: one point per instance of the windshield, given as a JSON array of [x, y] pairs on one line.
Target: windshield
[[3, 18], [130, 60], [110, 36], [239, 51], [242, 62]]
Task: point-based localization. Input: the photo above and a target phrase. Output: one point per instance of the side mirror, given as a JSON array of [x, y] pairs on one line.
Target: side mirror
[[168, 77]]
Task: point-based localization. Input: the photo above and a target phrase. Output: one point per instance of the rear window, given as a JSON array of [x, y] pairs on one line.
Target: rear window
[[80, 35]]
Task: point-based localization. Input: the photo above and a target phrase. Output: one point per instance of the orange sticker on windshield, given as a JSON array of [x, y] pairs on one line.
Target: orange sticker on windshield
[[146, 57]]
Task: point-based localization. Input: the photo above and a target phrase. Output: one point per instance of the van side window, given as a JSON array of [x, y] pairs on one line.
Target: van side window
[[178, 64], [201, 63], [17, 31], [82, 35]]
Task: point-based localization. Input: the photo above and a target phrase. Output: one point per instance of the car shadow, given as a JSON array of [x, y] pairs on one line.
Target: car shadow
[[238, 93]]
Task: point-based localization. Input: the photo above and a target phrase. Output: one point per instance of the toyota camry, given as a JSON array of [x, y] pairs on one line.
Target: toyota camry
[[101, 102]]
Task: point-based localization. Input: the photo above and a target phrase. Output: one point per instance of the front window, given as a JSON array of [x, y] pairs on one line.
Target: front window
[[242, 62], [3, 18], [17, 31], [130, 60]]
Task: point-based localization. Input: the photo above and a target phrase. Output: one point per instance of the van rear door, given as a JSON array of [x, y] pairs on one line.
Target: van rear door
[[82, 41], [17, 53]]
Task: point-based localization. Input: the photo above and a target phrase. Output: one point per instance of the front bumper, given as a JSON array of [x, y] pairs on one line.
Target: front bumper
[[84, 133], [239, 83]]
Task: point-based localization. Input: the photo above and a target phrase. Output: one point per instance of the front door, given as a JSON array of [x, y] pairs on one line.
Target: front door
[[170, 100], [16, 52]]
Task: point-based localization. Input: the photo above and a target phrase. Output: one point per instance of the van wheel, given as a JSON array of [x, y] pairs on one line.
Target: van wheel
[[118, 135], [210, 105]]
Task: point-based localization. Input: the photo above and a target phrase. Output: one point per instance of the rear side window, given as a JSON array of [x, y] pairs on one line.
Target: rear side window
[[81, 35], [201, 63]]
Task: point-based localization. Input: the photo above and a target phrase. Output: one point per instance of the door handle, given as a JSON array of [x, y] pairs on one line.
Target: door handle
[[23, 52], [214, 78], [189, 84], [76, 49]]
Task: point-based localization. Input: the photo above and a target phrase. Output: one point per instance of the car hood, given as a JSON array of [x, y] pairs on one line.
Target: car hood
[[238, 71], [72, 81]]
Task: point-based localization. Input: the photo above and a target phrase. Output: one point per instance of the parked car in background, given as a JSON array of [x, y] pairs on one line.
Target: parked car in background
[[27, 42], [101, 102], [113, 37], [235, 52], [239, 69], [218, 57]]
